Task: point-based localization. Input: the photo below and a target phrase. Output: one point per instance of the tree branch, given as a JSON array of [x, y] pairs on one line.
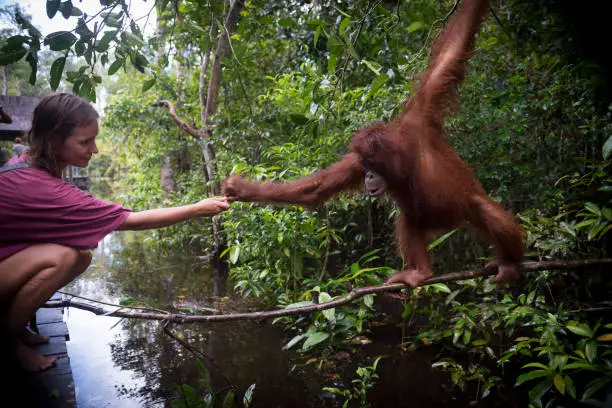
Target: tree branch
[[181, 123], [351, 296]]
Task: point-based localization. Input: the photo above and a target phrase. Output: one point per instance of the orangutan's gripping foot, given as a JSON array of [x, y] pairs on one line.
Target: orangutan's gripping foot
[[411, 277]]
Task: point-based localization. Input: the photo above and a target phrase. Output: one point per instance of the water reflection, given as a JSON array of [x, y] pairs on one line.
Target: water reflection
[[126, 363]]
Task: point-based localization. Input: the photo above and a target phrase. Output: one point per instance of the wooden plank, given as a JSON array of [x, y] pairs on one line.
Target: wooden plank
[[62, 366], [54, 330], [56, 345], [49, 315], [60, 391]]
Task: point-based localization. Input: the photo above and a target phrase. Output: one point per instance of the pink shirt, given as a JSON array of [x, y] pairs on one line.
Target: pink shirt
[[36, 207], [14, 160]]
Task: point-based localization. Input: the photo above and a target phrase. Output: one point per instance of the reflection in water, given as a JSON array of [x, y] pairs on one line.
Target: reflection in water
[[125, 363], [132, 363]]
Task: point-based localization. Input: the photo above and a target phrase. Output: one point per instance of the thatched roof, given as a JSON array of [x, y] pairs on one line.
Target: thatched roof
[[20, 109]]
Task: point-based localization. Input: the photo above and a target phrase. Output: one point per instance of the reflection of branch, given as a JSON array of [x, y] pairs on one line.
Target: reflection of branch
[[352, 295], [180, 122]]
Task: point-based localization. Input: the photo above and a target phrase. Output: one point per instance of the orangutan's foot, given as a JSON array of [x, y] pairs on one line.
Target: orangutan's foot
[[33, 339], [507, 273], [30, 359], [411, 277]]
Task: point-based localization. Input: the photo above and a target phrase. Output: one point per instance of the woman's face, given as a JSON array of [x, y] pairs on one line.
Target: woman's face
[[80, 146]]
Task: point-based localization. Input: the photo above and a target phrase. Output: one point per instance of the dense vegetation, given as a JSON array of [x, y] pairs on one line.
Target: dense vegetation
[[535, 124]]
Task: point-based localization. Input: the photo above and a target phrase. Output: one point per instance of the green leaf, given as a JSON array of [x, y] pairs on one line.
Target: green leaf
[[374, 66], [590, 350], [228, 401], [417, 25], [606, 150], [329, 314], [331, 64], [148, 84], [536, 365], [57, 69], [79, 48], [376, 84], [594, 386], [12, 56], [139, 61], [317, 34], [299, 304], [114, 67], [52, 7], [559, 384], [234, 253], [60, 40], [132, 39], [441, 287], [66, 9], [536, 393], [298, 119], [441, 239], [369, 300], [32, 59], [343, 25], [569, 386], [293, 341], [579, 329], [248, 395], [286, 22], [314, 339], [531, 375]]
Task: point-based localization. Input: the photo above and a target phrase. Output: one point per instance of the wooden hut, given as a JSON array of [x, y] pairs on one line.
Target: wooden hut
[[19, 109]]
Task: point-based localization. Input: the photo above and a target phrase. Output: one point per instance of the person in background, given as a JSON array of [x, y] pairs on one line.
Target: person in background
[[48, 226], [17, 146], [22, 155]]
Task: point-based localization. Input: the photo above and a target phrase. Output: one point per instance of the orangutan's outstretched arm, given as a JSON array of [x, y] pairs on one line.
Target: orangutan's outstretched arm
[[307, 191]]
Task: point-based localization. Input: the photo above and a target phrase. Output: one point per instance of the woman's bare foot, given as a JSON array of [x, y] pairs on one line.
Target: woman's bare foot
[[33, 339], [30, 359]]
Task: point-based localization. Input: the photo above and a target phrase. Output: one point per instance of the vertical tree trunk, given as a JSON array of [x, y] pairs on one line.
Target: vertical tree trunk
[[221, 52], [4, 80]]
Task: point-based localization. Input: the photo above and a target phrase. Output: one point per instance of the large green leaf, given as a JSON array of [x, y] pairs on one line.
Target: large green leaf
[[60, 40], [315, 339], [32, 59], [11, 56], [52, 7], [579, 329], [57, 68], [607, 148], [114, 67]]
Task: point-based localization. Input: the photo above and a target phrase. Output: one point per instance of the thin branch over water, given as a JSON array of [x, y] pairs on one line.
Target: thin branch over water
[[123, 311]]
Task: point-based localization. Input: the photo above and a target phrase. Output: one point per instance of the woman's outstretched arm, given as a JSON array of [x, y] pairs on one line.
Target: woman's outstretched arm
[[163, 217]]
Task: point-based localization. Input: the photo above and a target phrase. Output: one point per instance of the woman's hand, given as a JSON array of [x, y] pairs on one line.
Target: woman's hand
[[212, 206]]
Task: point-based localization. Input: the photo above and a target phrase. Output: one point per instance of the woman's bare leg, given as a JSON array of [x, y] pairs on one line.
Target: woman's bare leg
[[28, 279]]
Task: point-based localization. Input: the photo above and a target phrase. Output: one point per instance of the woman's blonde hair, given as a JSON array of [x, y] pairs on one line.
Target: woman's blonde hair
[[53, 121]]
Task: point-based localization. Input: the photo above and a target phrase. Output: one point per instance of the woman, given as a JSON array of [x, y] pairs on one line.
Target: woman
[[48, 226]]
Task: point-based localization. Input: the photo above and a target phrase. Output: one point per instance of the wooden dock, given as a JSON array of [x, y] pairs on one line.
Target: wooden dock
[[52, 388], [56, 381]]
